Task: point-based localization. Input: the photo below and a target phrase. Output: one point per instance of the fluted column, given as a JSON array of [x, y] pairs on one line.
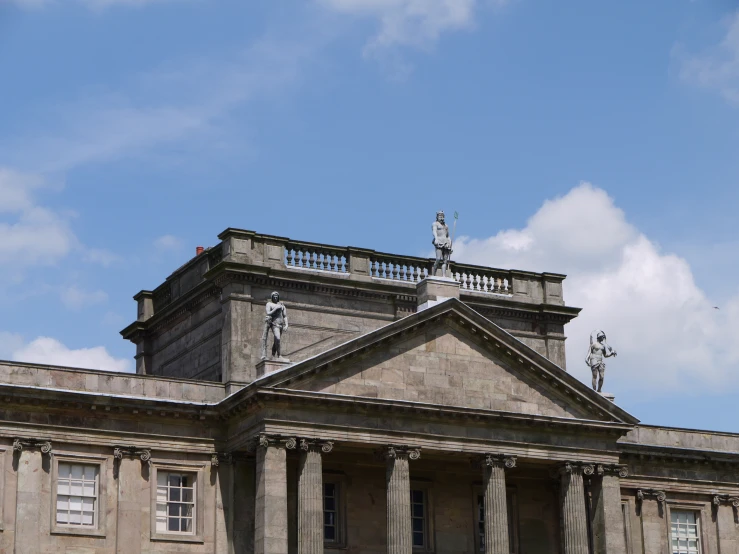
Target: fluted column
[[399, 531], [497, 540], [573, 509], [310, 496], [270, 525]]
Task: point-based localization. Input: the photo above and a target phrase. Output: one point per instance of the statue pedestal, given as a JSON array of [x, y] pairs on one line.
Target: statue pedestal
[[608, 396], [265, 367], [433, 290]]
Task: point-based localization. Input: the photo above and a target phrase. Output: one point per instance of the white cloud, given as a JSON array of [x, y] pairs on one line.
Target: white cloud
[[75, 298], [717, 69], [664, 327], [30, 234], [49, 351], [166, 105], [416, 23], [168, 242]]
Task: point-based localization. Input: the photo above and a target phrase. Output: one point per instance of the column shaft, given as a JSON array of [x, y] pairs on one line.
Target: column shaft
[[399, 533], [574, 513], [608, 522], [310, 502], [496, 510], [270, 527]]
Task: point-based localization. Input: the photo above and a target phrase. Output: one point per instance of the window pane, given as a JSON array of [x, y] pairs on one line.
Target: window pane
[[418, 539], [330, 512], [175, 502], [684, 532]]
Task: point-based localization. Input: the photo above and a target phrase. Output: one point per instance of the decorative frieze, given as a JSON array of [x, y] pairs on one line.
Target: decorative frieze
[[43, 445]]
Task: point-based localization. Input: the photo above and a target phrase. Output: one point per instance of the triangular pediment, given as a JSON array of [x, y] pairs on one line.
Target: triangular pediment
[[448, 355]]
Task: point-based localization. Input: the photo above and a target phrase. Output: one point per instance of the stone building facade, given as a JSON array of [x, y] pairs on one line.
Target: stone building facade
[[415, 415]]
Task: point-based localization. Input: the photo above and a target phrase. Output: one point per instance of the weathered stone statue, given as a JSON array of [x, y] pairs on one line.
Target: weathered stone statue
[[275, 321], [442, 243], [598, 350]]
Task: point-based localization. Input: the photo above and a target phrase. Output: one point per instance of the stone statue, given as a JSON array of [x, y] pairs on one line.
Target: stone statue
[[442, 243], [275, 321], [598, 350]]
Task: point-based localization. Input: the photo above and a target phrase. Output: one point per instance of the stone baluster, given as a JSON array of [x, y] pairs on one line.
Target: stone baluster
[[497, 540], [573, 508], [310, 496], [399, 531]]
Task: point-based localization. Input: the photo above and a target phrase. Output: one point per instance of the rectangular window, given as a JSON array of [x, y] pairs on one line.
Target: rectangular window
[[331, 512], [77, 495], [685, 532], [418, 518], [175, 502]]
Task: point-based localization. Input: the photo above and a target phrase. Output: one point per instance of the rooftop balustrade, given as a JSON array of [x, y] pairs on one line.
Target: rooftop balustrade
[[249, 249]]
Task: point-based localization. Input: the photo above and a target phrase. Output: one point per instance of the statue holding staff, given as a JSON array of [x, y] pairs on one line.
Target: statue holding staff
[[442, 243], [598, 350], [275, 321]]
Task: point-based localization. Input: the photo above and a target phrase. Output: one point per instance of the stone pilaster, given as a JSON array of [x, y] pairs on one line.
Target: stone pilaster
[[399, 531], [270, 525], [237, 362], [310, 496], [496, 509], [608, 522], [574, 514]]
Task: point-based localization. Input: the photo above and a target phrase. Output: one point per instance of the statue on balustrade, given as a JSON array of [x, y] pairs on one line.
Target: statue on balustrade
[[598, 351], [276, 322], [442, 243]]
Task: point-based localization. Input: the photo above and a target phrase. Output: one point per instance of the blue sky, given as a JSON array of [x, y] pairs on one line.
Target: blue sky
[[595, 139]]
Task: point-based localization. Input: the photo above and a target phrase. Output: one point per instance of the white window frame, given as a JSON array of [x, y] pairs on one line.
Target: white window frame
[[97, 530], [198, 472], [428, 515], [339, 480], [699, 509]]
